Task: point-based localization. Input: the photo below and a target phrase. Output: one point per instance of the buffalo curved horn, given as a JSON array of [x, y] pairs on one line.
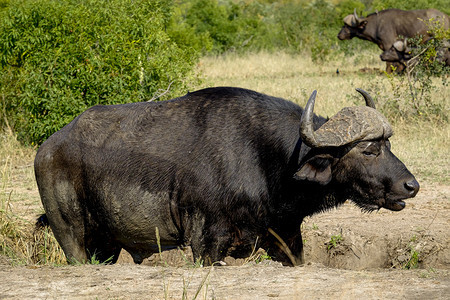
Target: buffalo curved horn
[[367, 97], [327, 136], [306, 122], [399, 46], [356, 16]]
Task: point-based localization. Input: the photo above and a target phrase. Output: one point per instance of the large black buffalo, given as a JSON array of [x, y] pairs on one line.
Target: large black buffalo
[[217, 169], [386, 27]]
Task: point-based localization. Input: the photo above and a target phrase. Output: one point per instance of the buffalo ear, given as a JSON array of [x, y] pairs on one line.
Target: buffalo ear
[[362, 24], [316, 169]]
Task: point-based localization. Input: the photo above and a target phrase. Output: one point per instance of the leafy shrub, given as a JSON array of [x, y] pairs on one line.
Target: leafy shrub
[[295, 25], [60, 57], [423, 72], [442, 5], [303, 26], [225, 24]]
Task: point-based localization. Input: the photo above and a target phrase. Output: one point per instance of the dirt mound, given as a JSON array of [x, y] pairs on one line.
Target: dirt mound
[[416, 237]]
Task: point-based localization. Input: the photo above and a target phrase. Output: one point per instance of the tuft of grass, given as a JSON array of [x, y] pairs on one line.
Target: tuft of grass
[[258, 256], [23, 246], [47, 251], [413, 261], [409, 255], [186, 282], [20, 242], [334, 241], [199, 262], [93, 260], [413, 254]]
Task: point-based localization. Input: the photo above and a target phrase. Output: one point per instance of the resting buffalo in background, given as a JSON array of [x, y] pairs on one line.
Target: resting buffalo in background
[[386, 27], [401, 52], [214, 169]]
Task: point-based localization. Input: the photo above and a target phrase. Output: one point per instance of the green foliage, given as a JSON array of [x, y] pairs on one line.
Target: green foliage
[[413, 262], [346, 7], [294, 25], [4, 4], [262, 258], [313, 25], [95, 261], [412, 91], [441, 5], [334, 241], [225, 25], [270, 25], [60, 57], [183, 34]]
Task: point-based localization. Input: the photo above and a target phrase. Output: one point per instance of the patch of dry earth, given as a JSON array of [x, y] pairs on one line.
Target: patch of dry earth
[[246, 282]]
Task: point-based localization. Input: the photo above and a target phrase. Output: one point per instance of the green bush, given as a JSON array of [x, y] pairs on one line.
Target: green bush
[[60, 57], [225, 24], [417, 84], [310, 26], [441, 5], [293, 25]]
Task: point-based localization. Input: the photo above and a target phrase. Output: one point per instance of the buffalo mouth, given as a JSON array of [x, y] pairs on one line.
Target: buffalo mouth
[[390, 204], [394, 205]]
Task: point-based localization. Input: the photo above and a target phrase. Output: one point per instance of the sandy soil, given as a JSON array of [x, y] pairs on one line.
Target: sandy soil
[[245, 282], [349, 254]]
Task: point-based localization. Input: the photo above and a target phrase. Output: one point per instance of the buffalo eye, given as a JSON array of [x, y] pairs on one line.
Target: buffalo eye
[[370, 149], [368, 153]]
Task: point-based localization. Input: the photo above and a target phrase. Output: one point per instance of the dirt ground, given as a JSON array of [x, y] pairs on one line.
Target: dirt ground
[[349, 255]]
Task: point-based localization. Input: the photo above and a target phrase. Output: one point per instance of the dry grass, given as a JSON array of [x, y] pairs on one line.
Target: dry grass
[[291, 77], [422, 144], [19, 207]]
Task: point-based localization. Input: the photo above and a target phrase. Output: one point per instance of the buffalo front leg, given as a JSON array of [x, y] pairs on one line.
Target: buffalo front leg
[[210, 243], [66, 219], [101, 247], [70, 237]]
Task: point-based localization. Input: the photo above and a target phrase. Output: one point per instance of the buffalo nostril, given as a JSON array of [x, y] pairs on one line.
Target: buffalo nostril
[[412, 186]]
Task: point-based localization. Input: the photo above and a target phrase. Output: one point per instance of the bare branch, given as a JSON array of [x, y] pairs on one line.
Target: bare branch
[[161, 93]]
